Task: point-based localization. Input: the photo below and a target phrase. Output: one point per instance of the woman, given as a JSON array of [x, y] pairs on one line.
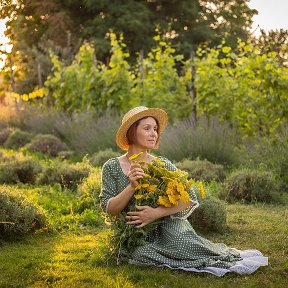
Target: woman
[[175, 245]]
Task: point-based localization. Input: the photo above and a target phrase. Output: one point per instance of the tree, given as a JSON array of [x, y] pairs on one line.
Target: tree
[[67, 24], [88, 84], [273, 41], [35, 28]]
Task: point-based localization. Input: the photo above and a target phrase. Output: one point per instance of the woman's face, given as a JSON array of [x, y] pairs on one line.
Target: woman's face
[[146, 133]]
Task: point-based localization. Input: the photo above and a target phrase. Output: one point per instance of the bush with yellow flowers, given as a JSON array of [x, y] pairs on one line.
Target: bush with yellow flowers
[[159, 186]]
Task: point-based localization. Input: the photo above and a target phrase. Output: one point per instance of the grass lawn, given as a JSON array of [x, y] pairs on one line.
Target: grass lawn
[[75, 259]]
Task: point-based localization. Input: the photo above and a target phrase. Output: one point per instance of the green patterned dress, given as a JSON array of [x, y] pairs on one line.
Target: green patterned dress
[[175, 244]]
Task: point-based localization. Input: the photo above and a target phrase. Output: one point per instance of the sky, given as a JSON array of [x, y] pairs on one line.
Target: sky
[[272, 14]]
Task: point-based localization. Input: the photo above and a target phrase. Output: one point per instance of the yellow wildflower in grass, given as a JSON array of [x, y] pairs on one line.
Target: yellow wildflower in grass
[[201, 190]]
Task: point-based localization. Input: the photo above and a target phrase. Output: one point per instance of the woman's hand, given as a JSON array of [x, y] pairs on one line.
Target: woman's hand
[[135, 173], [142, 217]]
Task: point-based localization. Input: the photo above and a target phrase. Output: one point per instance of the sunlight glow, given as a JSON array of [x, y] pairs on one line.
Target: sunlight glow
[[5, 47]]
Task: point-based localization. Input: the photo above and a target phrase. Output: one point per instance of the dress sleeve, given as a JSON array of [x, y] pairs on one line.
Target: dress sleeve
[[184, 214], [108, 185]]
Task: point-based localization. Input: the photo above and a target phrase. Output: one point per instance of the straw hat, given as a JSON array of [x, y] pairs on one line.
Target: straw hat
[[136, 114]]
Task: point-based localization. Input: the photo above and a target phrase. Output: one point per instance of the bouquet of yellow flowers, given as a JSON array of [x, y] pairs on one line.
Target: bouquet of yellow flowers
[[159, 186]]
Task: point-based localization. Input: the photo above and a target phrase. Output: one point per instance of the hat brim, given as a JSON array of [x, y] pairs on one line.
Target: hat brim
[[159, 114]]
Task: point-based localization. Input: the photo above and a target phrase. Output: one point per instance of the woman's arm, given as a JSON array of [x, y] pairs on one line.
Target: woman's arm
[[118, 203], [147, 214]]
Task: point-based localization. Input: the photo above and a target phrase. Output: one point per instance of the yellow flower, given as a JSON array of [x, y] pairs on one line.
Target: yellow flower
[[164, 201], [158, 161], [139, 186], [173, 199], [135, 156], [138, 196], [25, 97], [190, 184], [179, 186], [185, 197], [201, 190], [151, 188]]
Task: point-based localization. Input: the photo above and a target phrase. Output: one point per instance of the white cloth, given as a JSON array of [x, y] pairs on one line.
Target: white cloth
[[252, 260]]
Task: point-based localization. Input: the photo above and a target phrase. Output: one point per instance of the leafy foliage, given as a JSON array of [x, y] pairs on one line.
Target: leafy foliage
[[273, 41], [210, 139], [251, 186], [46, 144], [158, 83], [269, 153], [202, 170], [100, 157], [64, 173], [77, 86], [4, 134], [18, 216], [35, 27], [242, 86], [87, 84], [210, 216], [18, 139], [19, 169]]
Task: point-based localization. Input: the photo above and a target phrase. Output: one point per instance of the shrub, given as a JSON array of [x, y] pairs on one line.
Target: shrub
[[202, 170], [100, 157], [66, 209], [98, 134], [8, 174], [17, 215], [68, 175], [89, 190], [17, 139], [27, 169], [84, 132], [90, 218], [46, 144], [210, 215], [271, 154], [66, 154], [251, 186], [4, 157], [19, 170], [209, 139], [4, 134]]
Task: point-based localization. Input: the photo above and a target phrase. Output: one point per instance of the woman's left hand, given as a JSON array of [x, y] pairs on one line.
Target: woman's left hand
[[142, 217]]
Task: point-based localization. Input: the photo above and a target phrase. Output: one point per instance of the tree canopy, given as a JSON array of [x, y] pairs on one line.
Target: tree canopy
[[35, 26]]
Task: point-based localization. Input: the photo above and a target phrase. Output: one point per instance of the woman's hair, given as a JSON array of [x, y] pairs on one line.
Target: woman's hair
[[131, 133]]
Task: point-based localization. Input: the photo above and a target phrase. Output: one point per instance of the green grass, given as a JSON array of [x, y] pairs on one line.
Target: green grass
[[75, 259]]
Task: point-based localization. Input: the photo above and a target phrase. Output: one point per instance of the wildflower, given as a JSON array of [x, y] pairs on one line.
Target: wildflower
[[164, 201], [201, 190], [151, 188], [135, 156]]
